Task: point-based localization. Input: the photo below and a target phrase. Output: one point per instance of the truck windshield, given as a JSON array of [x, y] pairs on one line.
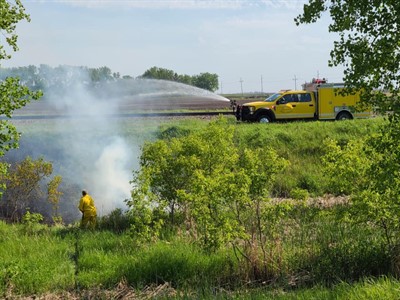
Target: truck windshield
[[273, 97]]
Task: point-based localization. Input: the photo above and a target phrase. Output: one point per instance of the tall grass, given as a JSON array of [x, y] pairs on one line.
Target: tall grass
[[314, 255], [302, 144], [323, 250], [51, 260], [315, 251], [33, 263], [183, 265]]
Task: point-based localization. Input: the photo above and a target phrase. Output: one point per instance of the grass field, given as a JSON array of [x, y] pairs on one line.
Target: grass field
[[65, 263], [313, 256]]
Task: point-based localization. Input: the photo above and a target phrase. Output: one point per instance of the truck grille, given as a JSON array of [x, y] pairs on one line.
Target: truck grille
[[245, 110], [242, 113]]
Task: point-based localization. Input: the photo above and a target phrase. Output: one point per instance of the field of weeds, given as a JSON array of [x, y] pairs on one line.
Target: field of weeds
[[305, 246]]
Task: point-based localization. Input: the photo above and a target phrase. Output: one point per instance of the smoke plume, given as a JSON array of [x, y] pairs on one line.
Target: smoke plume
[[92, 153]]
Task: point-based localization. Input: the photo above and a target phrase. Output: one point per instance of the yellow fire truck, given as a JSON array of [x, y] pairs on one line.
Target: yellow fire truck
[[318, 100]]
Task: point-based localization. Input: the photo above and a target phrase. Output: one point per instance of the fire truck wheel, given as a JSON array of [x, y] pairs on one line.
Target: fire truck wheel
[[264, 119], [344, 115]]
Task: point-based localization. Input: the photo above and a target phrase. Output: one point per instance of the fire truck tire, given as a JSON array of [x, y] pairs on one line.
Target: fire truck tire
[[264, 119], [344, 115]]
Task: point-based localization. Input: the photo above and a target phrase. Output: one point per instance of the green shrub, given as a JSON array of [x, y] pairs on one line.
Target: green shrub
[[117, 221], [299, 194], [311, 183], [31, 222], [172, 132]]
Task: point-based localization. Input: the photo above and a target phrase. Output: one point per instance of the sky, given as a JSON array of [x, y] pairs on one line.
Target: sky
[[252, 45]]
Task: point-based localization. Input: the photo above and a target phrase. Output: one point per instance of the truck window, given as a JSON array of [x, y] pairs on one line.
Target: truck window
[[305, 98], [290, 98], [273, 97], [285, 99]]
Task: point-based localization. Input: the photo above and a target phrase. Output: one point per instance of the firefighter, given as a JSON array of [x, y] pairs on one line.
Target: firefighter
[[89, 214]]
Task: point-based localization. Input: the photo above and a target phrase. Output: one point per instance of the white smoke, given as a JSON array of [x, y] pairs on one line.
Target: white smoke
[[93, 153], [97, 158], [111, 175]]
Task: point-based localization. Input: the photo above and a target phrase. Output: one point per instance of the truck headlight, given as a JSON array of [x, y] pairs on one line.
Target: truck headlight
[[251, 109]]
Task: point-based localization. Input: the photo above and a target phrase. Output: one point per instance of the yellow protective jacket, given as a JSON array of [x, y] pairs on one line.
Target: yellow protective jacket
[[86, 206]]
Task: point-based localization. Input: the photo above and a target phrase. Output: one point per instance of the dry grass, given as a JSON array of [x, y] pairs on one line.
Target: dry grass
[[122, 291], [325, 201]]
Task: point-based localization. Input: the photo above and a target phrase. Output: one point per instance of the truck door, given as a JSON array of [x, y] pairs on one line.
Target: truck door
[[295, 106]]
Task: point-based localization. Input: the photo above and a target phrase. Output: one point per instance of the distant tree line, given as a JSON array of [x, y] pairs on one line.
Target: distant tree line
[[45, 77], [207, 81]]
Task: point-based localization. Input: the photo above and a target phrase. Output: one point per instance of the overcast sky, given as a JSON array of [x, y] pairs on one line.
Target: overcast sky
[[252, 45]]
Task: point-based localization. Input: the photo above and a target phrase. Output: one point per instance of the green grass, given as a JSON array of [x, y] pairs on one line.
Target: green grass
[[181, 264], [319, 260], [47, 261], [314, 255], [302, 144], [34, 263]]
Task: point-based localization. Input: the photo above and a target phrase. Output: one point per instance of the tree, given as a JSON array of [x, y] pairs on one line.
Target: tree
[[160, 73], [12, 94], [186, 79], [217, 189], [10, 15], [369, 49], [53, 196], [101, 74], [206, 81], [368, 45], [23, 183]]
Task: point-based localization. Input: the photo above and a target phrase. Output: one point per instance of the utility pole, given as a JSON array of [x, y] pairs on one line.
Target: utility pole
[[241, 85], [262, 87], [295, 82], [221, 88]]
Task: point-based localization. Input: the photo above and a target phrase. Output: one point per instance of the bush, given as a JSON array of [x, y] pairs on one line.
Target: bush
[[299, 194], [172, 132], [117, 221]]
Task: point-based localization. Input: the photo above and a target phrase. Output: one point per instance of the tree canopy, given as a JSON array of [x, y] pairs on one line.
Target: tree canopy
[[10, 14], [13, 95], [207, 81], [369, 49], [368, 45]]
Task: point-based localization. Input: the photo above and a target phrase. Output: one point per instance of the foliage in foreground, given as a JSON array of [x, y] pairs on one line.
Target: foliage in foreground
[[368, 170], [215, 188], [320, 252], [13, 94], [23, 190], [282, 245]]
